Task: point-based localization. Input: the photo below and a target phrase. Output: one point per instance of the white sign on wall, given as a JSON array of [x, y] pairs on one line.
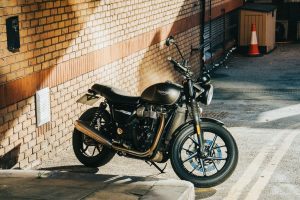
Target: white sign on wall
[[43, 114]]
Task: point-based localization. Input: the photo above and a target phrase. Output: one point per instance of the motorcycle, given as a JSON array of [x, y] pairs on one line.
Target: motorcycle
[[163, 123]]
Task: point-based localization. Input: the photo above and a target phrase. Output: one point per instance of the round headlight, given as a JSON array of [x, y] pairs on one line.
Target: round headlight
[[210, 94], [207, 95]]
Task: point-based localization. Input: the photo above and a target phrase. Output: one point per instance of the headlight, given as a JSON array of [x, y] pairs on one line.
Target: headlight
[[207, 95]]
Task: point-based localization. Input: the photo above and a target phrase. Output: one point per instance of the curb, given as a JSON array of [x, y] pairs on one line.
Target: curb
[[24, 173], [117, 187]]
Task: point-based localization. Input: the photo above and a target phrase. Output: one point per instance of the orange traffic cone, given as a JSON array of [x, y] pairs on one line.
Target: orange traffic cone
[[253, 47]]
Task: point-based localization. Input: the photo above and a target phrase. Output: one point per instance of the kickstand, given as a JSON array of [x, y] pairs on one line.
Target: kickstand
[[150, 163]]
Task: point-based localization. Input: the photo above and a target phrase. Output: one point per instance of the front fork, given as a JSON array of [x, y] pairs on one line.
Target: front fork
[[197, 124], [191, 94], [196, 115]]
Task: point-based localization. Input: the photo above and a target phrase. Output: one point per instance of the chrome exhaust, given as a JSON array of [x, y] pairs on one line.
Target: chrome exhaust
[[94, 134]]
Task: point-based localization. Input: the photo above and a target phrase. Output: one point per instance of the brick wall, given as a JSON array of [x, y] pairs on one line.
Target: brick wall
[[68, 46], [56, 31]]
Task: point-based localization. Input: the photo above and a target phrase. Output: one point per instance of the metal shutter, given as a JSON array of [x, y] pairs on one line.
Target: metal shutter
[[215, 31]]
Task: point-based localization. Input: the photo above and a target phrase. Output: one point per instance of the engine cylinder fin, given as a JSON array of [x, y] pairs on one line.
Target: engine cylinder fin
[[151, 149]]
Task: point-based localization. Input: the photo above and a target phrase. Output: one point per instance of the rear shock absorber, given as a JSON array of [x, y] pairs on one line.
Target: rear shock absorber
[[98, 113]]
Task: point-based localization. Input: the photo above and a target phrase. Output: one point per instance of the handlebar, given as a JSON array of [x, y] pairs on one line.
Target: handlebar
[[178, 65]]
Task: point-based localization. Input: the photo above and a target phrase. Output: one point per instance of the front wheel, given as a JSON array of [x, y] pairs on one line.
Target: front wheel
[[212, 168]]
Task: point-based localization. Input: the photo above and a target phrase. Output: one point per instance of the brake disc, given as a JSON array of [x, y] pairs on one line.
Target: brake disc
[[208, 164]]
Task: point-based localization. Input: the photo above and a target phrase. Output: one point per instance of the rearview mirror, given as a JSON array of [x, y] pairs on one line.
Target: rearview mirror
[[170, 40]]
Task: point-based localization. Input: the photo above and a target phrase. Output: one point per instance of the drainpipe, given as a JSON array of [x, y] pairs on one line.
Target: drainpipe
[[202, 25]]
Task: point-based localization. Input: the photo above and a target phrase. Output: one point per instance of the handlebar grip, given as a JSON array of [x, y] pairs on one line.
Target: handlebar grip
[[178, 65], [172, 61]]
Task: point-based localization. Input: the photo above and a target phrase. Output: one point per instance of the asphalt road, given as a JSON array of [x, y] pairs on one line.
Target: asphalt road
[[258, 99]]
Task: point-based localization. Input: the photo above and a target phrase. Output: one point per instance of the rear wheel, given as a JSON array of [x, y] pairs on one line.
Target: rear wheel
[[211, 169], [88, 151]]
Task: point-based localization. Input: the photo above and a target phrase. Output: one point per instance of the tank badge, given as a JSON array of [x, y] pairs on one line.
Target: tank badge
[[163, 92]]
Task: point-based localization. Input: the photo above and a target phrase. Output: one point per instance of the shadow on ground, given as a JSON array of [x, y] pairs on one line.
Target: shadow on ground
[[73, 169], [258, 89]]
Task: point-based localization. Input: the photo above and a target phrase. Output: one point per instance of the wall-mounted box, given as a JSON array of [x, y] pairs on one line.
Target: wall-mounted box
[[13, 35]]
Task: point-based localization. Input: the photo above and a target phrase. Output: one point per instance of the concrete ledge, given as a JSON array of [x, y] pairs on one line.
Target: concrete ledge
[[34, 184]]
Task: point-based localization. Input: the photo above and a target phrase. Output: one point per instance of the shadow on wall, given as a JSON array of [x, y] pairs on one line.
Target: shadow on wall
[[50, 35], [47, 46], [155, 67], [51, 28], [10, 159], [48, 39]]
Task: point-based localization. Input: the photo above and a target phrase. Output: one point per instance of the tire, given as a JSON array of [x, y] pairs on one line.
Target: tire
[[190, 168], [79, 140]]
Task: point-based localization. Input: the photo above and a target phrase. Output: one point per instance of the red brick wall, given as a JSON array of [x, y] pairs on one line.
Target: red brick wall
[[68, 46]]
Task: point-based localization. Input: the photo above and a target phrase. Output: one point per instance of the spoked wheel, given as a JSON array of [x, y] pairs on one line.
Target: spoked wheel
[[88, 151], [90, 148], [217, 163]]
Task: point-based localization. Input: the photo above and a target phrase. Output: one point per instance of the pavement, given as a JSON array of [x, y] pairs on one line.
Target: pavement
[[41, 184], [256, 98]]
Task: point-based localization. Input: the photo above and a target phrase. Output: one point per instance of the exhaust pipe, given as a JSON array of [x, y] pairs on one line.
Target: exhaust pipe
[[84, 128], [92, 133]]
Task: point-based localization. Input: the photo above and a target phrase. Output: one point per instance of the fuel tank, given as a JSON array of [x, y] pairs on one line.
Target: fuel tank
[[162, 93]]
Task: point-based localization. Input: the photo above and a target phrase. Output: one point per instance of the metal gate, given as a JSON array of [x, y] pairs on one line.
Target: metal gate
[[218, 32], [215, 36]]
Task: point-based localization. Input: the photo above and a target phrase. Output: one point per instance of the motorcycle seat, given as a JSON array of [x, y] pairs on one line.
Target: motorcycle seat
[[115, 95]]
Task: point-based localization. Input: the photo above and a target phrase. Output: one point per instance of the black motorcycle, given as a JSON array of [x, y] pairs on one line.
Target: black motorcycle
[[164, 122]]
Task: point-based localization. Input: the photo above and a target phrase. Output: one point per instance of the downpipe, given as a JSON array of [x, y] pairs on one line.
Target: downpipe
[[97, 136]]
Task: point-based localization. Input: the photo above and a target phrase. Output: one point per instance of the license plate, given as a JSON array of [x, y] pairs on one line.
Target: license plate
[[88, 99]]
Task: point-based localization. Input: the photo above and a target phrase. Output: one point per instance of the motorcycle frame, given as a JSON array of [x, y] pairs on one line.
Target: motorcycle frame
[[167, 126], [187, 98]]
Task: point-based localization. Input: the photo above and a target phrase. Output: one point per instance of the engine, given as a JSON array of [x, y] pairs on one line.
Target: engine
[[144, 134], [137, 129]]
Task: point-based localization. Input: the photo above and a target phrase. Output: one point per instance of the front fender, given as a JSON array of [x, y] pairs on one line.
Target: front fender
[[203, 119], [191, 123], [177, 131], [212, 120]]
